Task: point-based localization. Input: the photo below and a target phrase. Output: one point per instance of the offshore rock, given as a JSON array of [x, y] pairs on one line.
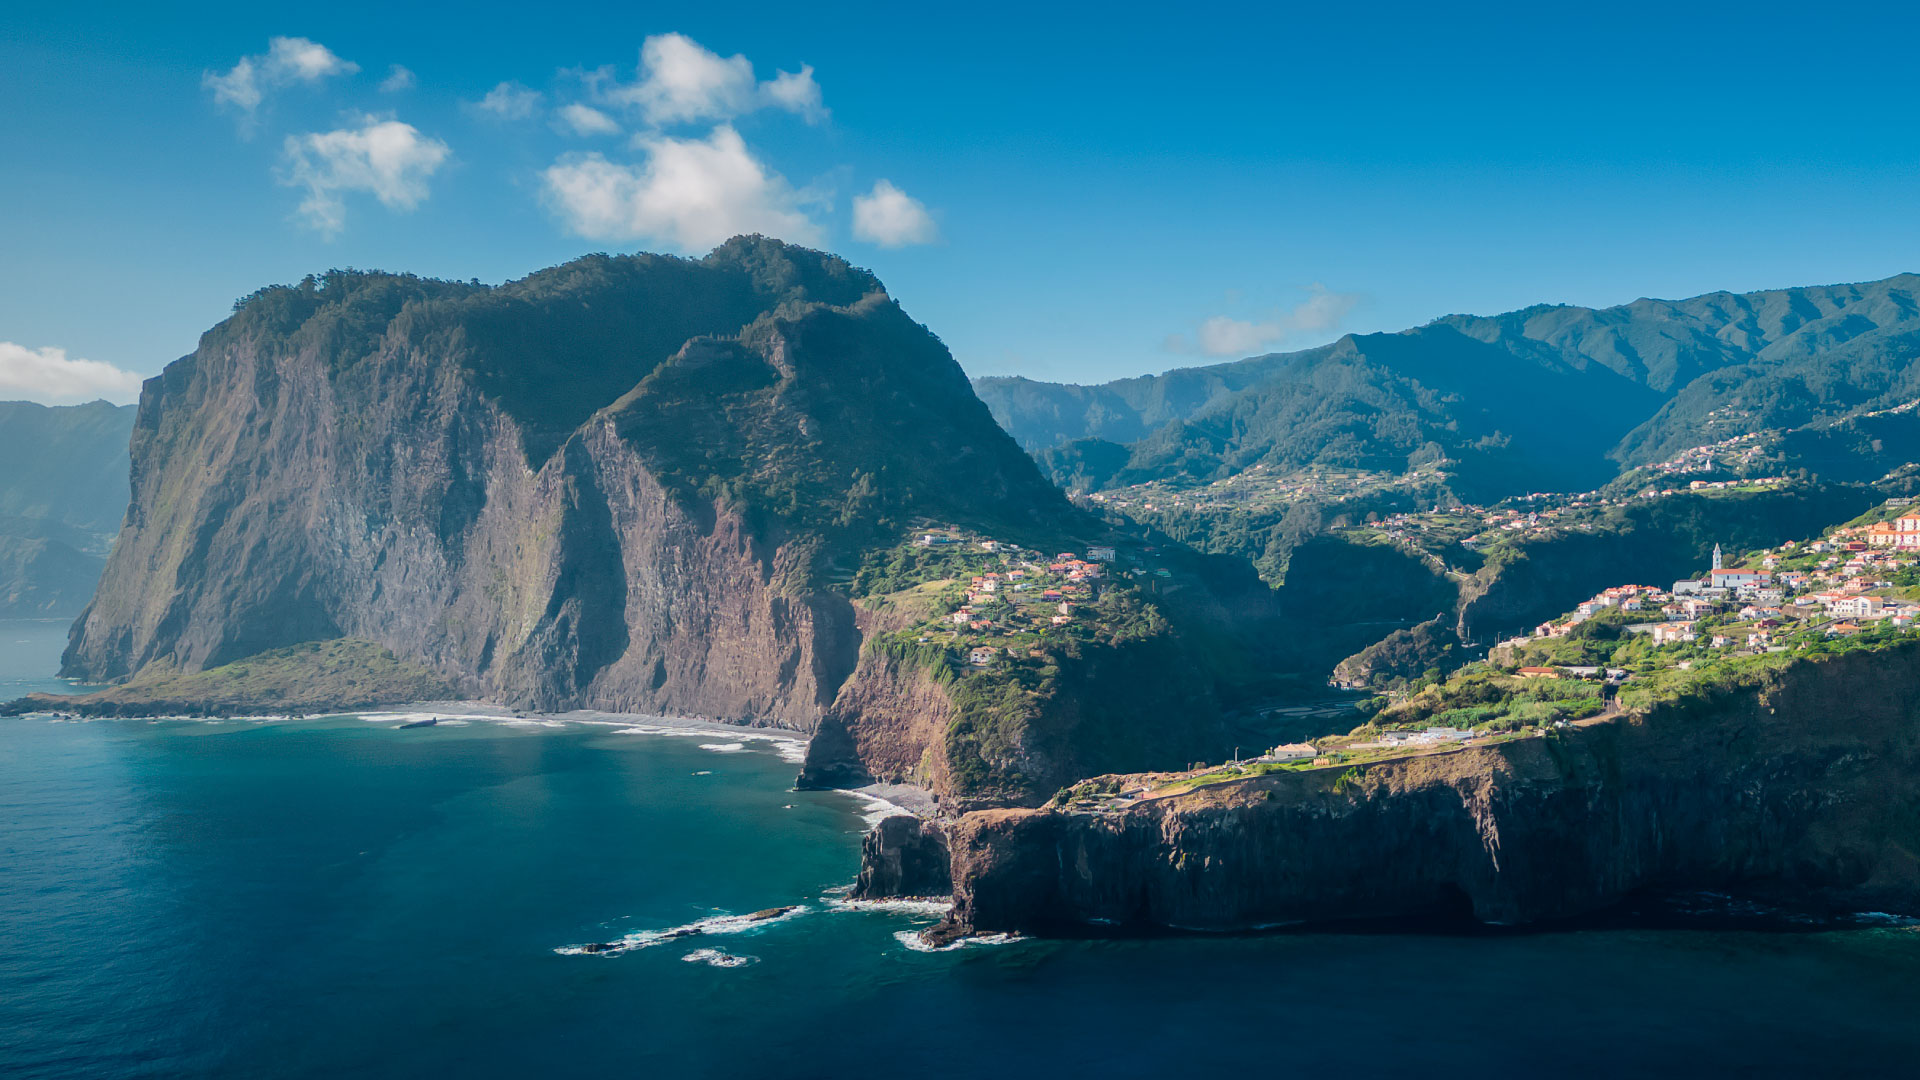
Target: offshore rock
[[904, 856]]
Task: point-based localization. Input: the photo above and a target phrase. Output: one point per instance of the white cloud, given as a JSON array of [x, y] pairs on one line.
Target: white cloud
[[509, 101], [1321, 311], [586, 120], [307, 61], [1223, 335], [688, 195], [796, 92], [891, 218], [682, 82], [48, 376], [288, 60], [388, 159], [239, 87], [397, 80]]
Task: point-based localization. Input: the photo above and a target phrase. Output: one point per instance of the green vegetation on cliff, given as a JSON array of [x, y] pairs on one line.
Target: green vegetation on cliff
[[1057, 666], [1550, 397], [314, 676]]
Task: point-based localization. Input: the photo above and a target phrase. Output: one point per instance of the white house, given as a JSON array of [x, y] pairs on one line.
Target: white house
[[1735, 577], [1906, 535], [1856, 607], [1292, 752], [1669, 633]]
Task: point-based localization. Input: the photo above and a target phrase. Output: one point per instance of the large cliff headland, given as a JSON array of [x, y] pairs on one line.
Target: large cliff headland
[[650, 485], [1794, 784]]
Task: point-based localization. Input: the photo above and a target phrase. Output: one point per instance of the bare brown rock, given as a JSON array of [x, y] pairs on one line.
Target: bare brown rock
[[624, 484]]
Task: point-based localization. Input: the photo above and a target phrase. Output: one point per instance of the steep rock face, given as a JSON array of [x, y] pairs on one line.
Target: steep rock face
[[1800, 789], [622, 483], [889, 723], [903, 856]]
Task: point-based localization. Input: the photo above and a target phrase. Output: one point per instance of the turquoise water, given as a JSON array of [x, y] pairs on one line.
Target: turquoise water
[[29, 656], [337, 897]]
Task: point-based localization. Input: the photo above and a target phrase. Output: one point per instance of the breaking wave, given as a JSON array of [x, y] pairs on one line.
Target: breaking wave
[[912, 940], [712, 925], [719, 958], [931, 907]]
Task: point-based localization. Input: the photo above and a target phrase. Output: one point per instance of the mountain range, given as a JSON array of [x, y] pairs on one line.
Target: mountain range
[[1551, 397], [662, 485]]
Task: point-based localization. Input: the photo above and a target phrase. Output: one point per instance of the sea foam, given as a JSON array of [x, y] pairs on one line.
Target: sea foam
[[713, 924], [719, 958], [912, 940]]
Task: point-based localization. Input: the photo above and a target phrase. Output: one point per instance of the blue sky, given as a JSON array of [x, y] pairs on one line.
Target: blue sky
[[1072, 194]]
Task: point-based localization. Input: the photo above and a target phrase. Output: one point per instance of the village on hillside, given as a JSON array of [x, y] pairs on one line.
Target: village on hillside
[[990, 600], [1856, 586], [1789, 596], [1260, 485]]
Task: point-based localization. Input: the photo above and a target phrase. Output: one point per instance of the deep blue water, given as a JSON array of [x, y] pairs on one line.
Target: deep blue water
[[336, 897]]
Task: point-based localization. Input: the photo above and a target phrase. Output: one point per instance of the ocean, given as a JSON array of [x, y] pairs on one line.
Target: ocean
[[341, 897]]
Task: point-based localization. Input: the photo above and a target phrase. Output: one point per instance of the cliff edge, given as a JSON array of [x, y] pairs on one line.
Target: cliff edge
[[1797, 787]]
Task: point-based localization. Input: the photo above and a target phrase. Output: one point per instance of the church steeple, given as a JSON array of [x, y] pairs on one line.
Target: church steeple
[[1716, 556]]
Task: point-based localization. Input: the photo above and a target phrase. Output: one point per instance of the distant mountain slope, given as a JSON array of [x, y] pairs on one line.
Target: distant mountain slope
[[63, 490], [1042, 414], [1545, 396], [65, 464]]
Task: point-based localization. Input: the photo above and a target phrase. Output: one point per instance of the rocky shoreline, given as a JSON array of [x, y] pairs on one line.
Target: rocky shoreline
[[1798, 790]]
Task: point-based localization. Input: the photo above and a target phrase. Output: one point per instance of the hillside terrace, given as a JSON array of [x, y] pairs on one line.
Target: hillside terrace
[[1625, 648], [986, 600]]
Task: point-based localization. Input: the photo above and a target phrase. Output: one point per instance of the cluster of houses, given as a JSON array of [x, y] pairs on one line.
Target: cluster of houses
[[1259, 484], [1900, 534], [1028, 591], [1735, 452], [1744, 482], [1839, 594]]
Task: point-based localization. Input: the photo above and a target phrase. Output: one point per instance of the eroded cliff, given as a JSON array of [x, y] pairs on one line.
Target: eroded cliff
[[639, 484], [625, 483], [1799, 787]]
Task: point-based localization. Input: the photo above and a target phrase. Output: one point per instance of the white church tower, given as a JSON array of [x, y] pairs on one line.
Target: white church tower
[[1716, 556]]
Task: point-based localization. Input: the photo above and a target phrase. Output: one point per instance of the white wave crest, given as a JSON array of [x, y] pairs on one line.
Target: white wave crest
[[932, 907], [912, 940], [791, 748], [713, 924], [444, 718], [877, 809], [719, 958]]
